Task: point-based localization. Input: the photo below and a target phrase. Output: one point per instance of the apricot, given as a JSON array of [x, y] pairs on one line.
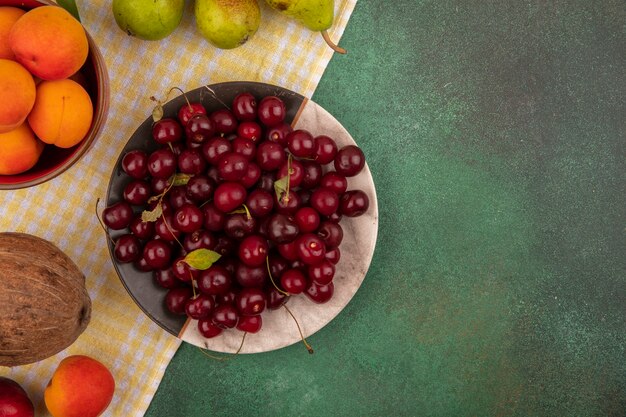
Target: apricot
[[49, 42], [19, 150], [80, 387], [62, 113], [17, 94], [8, 17]]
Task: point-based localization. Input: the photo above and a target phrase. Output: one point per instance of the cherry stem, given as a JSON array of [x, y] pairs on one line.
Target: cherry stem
[[267, 262], [228, 356], [193, 284], [101, 223], [332, 45], [306, 344], [216, 98]]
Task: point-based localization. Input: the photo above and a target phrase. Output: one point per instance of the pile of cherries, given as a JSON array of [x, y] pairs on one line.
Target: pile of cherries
[[242, 185]]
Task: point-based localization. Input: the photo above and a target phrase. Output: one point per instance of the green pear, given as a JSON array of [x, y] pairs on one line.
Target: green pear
[[227, 24], [316, 15], [148, 19]]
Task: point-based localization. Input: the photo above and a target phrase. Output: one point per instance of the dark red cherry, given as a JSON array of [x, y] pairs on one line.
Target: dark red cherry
[[293, 281], [137, 192], [244, 106], [275, 298], [187, 111], [191, 161], [224, 121], [208, 329], [199, 307], [250, 301], [225, 316], [307, 219], [214, 148], [322, 273], [143, 230], [310, 248], [215, 280], [157, 253], [166, 278], [232, 166], [250, 324], [199, 129], [127, 248], [331, 233], [325, 201], [117, 216], [270, 155], [301, 144], [260, 203], [349, 160], [253, 250], [282, 229], [135, 164], [167, 130], [271, 111], [228, 196], [278, 133], [176, 299], [320, 293], [250, 130], [183, 271], [334, 181], [162, 163], [354, 203], [251, 276], [325, 149]]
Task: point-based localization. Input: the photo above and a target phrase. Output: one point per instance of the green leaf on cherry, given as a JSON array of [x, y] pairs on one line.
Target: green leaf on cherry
[[281, 187], [152, 215], [180, 179], [242, 210], [157, 113], [201, 259]]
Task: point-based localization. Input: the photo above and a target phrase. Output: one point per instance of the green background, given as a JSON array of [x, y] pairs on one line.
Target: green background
[[495, 134]]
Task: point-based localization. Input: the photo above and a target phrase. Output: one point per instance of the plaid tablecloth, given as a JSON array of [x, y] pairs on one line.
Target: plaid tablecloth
[[63, 210]]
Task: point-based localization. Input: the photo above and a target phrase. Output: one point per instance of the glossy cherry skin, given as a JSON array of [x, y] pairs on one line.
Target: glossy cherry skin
[[228, 196], [135, 164], [271, 111], [275, 298], [224, 121], [282, 229], [215, 280], [253, 250], [331, 234], [260, 203], [325, 201], [270, 156], [117, 216], [164, 228], [250, 324], [250, 130], [239, 225], [232, 166], [252, 175], [187, 111], [191, 161], [325, 149], [183, 271], [157, 253], [188, 218], [294, 169], [334, 181], [137, 192], [127, 248], [167, 130], [166, 278], [162, 163], [176, 299], [333, 255], [225, 316], [301, 144], [214, 148], [199, 129], [244, 106], [199, 239], [278, 133], [200, 188], [322, 273], [208, 329], [349, 160], [199, 307], [320, 293], [353, 203], [143, 230], [312, 174], [250, 301], [288, 203], [307, 219], [293, 281], [245, 147], [310, 248]]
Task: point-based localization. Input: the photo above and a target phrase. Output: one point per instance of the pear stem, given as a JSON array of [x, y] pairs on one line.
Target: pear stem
[[332, 45]]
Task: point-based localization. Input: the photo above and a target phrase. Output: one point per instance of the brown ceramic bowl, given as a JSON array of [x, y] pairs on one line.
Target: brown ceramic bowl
[[54, 160]]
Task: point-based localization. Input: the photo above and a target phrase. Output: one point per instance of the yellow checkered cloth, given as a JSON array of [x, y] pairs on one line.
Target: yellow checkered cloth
[[62, 211]]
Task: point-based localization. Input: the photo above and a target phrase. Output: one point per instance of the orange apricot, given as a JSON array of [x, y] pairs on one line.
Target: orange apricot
[[19, 150], [8, 17], [17, 94], [62, 113], [49, 42]]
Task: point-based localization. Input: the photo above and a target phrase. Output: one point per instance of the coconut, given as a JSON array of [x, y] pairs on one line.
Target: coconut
[[44, 305]]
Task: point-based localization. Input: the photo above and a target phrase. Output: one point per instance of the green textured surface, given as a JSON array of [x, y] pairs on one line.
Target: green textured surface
[[495, 135]]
